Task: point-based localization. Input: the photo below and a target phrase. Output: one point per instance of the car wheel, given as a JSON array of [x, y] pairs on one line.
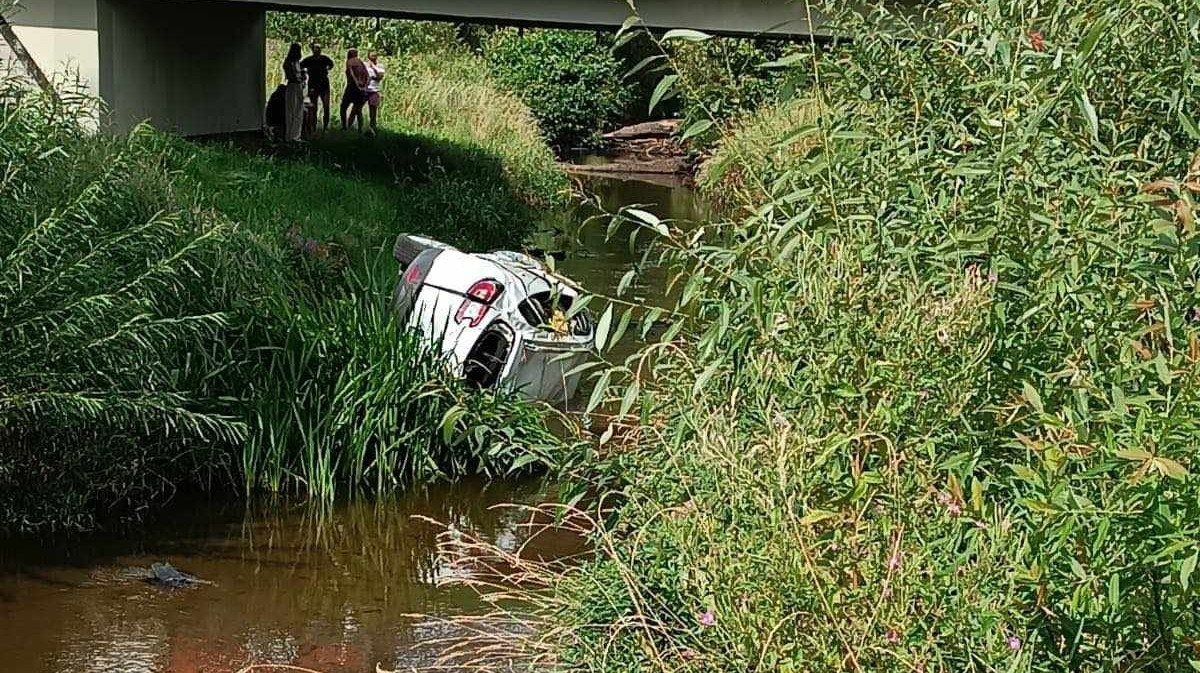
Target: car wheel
[[407, 248]]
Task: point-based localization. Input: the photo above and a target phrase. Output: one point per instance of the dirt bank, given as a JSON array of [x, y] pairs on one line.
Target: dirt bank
[[646, 148]]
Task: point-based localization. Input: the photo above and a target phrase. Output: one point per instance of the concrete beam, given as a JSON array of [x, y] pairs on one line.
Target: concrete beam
[[191, 67], [782, 18]]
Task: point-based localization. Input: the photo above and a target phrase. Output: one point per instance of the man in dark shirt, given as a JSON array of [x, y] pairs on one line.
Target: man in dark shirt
[[318, 66]]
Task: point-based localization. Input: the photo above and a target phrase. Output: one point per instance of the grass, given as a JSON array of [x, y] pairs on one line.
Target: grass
[[930, 396], [221, 307], [761, 144]]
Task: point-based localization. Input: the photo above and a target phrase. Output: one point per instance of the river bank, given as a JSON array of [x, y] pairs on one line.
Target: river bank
[[643, 149], [335, 587], [240, 295]]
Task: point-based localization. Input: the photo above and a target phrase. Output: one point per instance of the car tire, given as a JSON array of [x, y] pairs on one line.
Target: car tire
[[407, 248]]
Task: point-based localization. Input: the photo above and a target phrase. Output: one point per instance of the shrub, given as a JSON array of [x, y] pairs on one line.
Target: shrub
[[932, 403], [724, 77], [99, 318], [569, 79], [394, 37]]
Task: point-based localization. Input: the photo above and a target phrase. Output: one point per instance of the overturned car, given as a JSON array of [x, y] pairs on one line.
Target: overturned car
[[501, 319]]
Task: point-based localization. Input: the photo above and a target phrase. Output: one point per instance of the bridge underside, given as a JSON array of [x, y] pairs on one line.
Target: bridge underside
[[783, 18], [196, 66]]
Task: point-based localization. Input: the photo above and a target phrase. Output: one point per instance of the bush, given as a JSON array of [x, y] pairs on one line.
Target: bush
[[932, 403], [724, 77], [569, 79], [394, 37]]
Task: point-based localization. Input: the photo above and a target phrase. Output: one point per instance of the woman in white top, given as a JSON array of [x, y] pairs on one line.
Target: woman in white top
[[374, 86]]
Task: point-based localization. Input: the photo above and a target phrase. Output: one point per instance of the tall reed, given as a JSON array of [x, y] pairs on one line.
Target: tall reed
[[930, 403], [98, 317], [348, 399]]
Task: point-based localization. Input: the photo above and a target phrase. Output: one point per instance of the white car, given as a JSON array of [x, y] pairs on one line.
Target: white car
[[501, 319]]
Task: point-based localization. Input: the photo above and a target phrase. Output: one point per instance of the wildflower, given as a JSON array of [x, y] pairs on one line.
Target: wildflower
[[954, 508], [894, 561], [893, 636], [943, 498], [707, 618], [1037, 40], [1014, 643]]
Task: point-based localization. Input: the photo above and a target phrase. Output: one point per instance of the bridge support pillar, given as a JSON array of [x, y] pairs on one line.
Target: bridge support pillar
[[191, 67]]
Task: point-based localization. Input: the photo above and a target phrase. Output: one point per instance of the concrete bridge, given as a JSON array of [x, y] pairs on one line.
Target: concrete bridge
[[196, 66]]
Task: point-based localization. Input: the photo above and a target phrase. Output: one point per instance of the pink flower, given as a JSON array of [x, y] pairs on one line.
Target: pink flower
[[1037, 40], [954, 509], [894, 561], [707, 618], [1014, 643], [893, 636]]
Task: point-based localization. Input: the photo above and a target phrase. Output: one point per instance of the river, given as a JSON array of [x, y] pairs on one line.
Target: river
[[327, 589]]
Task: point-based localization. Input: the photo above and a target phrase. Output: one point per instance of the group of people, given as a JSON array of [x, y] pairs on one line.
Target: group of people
[[364, 86]]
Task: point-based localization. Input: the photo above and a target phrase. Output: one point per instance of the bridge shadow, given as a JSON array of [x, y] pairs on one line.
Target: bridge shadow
[[360, 191]]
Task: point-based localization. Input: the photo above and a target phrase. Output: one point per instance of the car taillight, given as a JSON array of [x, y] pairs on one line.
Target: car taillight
[[479, 298]]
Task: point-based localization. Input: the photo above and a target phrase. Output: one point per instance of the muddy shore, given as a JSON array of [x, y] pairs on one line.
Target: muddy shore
[[649, 148]]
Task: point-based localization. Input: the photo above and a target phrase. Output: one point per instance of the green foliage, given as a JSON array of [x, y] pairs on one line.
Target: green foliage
[[99, 317], [756, 149], [722, 77], [569, 79], [348, 397], [393, 37], [178, 314], [930, 401]]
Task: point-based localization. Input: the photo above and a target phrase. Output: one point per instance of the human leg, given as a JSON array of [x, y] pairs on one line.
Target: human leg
[[373, 104], [347, 101], [325, 108]]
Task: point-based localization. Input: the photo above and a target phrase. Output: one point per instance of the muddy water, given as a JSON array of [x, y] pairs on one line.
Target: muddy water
[[291, 585], [327, 590], [603, 260]]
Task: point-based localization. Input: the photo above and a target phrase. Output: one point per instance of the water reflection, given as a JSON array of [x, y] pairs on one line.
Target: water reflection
[[331, 591], [602, 258]]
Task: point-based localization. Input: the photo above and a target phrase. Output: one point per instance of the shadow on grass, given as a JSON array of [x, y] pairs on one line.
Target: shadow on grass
[[360, 191]]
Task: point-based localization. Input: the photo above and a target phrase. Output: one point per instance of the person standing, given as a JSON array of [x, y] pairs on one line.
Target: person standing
[[317, 67], [293, 75], [355, 94], [375, 73]]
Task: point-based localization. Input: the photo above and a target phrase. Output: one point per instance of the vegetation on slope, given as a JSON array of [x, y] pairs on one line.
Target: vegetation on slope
[[205, 314], [569, 79], [931, 404]]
